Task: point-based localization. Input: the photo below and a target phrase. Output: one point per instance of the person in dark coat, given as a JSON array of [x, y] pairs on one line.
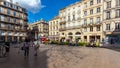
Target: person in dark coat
[[7, 48], [26, 47]]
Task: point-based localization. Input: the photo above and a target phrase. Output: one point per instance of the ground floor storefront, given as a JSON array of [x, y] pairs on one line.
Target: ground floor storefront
[[12, 38], [112, 39], [92, 38]]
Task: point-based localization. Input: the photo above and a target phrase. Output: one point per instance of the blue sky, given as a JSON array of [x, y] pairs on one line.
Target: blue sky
[[45, 9], [50, 9]]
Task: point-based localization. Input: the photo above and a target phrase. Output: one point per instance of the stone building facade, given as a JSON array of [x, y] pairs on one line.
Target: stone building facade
[[13, 22]]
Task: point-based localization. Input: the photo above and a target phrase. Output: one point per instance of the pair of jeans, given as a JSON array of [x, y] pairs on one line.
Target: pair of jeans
[[26, 51]]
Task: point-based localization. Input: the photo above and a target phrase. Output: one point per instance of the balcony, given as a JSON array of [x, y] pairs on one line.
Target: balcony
[[91, 24], [10, 34], [73, 27], [84, 25], [14, 9], [98, 23], [108, 7], [117, 5], [108, 18], [116, 30], [62, 29], [3, 34], [10, 15], [45, 31], [16, 34], [63, 22], [117, 16], [3, 28], [79, 18]]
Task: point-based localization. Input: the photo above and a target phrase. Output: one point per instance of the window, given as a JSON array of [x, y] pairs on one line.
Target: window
[[8, 11], [85, 13], [117, 13], [117, 2], [8, 19], [98, 19], [91, 11], [109, 4], [117, 25], [11, 5], [1, 9], [108, 15], [14, 13], [91, 2], [2, 25], [68, 18], [14, 20], [107, 26], [98, 1], [73, 17], [79, 18], [98, 28], [91, 29], [78, 12], [17, 7], [85, 29], [85, 5], [1, 18], [98, 9], [9, 26], [5, 3], [85, 22], [91, 20]]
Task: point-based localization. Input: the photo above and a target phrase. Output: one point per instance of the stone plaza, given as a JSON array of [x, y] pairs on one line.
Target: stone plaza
[[58, 56]]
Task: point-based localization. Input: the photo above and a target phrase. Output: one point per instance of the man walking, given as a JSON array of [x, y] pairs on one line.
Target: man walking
[[26, 47]]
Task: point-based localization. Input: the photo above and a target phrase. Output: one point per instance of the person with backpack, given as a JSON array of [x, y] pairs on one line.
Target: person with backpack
[[26, 48]]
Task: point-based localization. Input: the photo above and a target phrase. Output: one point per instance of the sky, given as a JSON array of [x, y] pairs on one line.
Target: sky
[[45, 9]]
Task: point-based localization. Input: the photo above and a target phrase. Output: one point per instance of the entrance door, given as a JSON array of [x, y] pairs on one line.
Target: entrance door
[[92, 38]]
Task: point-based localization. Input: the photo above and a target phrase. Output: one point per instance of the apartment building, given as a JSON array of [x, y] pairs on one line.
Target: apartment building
[[92, 11], [70, 22], [13, 22], [54, 29], [112, 21], [90, 21], [39, 29], [82, 21]]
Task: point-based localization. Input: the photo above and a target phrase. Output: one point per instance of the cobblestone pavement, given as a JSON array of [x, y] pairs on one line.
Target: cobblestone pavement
[[51, 56]]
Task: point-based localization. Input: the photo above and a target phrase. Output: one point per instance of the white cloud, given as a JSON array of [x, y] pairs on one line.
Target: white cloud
[[31, 5]]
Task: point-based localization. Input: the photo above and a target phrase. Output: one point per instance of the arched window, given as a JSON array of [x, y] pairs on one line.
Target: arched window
[[77, 33], [70, 33]]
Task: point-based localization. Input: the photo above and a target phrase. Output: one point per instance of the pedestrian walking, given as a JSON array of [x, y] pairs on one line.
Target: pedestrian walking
[[26, 47], [36, 46], [7, 48]]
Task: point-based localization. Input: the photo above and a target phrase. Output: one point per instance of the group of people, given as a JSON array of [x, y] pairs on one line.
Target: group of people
[[27, 44]]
